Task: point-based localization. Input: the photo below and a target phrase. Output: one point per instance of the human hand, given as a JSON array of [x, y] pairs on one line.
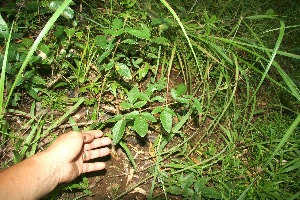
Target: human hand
[[69, 151]]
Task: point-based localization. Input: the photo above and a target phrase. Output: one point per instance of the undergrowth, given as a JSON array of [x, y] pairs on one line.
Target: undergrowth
[[219, 78]]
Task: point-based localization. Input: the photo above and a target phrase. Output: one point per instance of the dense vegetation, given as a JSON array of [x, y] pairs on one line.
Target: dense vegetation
[[212, 85]]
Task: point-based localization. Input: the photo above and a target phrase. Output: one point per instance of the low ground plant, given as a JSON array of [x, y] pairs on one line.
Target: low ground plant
[[212, 86]]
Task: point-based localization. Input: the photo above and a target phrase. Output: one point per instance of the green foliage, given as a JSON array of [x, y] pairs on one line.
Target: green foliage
[[220, 77]]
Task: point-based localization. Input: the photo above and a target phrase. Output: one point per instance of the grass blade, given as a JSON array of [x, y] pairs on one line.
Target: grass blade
[[42, 34]]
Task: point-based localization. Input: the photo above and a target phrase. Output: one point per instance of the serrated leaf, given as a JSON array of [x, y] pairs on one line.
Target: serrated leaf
[[118, 131], [101, 41], [68, 12], [117, 23], [160, 40], [3, 28], [156, 110], [166, 120], [148, 116], [126, 105], [158, 98], [133, 94], [132, 115], [129, 41], [211, 193], [115, 118], [139, 104], [141, 126], [140, 33], [142, 96], [123, 70], [113, 32]]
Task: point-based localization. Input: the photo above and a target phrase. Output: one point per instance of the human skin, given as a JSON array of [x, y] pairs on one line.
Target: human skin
[[62, 162]]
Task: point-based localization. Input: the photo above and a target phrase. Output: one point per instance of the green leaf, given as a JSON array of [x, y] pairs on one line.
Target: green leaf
[[117, 23], [148, 116], [118, 131], [126, 105], [178, 90], [3, 28], [142, 96], [160, 40], [129, 41], [143, 33], [211, 193], [132, 115], [123, 70], [133, 94], [70, 32], [139, 104], [68, 13], [27, 42], [166, 120], [143, 71], [200, 184], [103, 56], [128, 153], [156, 110], [115, 118], [101, 41], [113, 32], [158, 98], [198, 106], [141, 126]]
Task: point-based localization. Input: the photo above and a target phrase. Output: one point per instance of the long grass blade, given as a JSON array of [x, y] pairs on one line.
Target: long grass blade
[[42, 34]]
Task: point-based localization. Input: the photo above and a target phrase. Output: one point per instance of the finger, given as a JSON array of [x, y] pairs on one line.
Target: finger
[[95, 133], [90, 167], [87, 138], [88, 155], [100, 142]]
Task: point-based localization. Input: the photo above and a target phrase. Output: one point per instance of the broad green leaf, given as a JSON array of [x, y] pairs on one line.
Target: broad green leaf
[[142, 96], [45, 49], [156, 110], [143, 71], [68, 13], [117, 23], [129, 41], [101, 41], [178, 90], [198, 106], [158, 98], [3, 28], [113, 32], [132, 115], [166, 120], [200, 184], [38, 80], [27, 42], [141, 126], [126, 105], [148, 116], [70, 32], [123, 70], [115, 118], [133, 94], [118, 131], [143, 33], [160, 40], [139, 104], [211, 193]]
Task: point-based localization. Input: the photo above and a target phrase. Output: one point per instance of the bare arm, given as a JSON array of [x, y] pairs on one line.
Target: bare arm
[[62, 162]]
